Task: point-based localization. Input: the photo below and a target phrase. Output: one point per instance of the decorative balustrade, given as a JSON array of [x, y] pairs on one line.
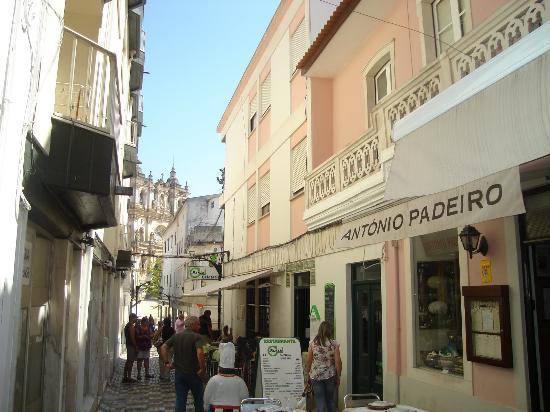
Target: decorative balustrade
[[361, 159], [487, 41]]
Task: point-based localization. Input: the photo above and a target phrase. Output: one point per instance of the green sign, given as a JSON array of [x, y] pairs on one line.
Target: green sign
[[314, 313]]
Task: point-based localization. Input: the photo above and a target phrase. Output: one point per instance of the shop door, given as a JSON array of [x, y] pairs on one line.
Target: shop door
[[367, 333], [540, 258], [301, 309]]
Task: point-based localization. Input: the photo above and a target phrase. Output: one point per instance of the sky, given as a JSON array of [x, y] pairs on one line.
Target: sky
[[195, 53]]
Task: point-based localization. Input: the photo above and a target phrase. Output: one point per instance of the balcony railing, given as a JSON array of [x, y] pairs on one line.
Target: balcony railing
[[87, 87], [361, 159]]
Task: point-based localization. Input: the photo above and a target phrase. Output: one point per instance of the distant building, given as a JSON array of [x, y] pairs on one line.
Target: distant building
[[151, 209], [196, 230]]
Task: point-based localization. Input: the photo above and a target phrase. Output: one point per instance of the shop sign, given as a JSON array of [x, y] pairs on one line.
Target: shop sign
[[199, 272], [281, 370], [329, 306], [494, 196]]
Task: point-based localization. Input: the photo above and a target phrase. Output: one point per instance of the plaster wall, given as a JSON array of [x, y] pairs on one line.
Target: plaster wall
[[483, 9], [280, 193], [281, 308], [335, 268]]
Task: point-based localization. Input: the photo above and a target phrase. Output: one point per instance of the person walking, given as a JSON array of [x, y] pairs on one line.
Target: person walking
[[226, 388], [166, 333], [206, 326], [324, 366], [144, 343], [131, 348], [188, 362], [180, 325]]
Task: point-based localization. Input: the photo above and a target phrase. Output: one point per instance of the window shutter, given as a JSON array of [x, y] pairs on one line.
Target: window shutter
[[299, 165], [298, 45], [264, 190], [252, 204], [253, 106], [266, 93]]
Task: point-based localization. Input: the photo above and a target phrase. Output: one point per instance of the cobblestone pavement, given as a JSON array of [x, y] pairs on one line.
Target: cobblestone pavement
[[145, 395]]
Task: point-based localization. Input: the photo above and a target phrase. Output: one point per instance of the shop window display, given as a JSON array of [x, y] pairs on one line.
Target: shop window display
[[438, 320]]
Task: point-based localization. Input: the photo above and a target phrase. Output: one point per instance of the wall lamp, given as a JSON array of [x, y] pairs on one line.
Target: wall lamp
[[473, 241]]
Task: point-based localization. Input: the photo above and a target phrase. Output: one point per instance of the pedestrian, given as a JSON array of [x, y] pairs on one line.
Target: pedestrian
[[166, 333], [206, 326], [144, 343], [151, 323], [188, 362], [180, 323], [227, 334], [131, 348], [226, 388], [324, 366]]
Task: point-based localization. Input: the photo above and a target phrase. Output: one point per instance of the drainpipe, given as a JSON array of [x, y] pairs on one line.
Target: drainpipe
[[395, 246]]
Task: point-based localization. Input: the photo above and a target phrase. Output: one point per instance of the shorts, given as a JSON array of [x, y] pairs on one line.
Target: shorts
[[131, 353], [144, 354]]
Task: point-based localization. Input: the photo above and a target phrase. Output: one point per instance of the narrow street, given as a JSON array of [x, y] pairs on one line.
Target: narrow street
[[145, 395]]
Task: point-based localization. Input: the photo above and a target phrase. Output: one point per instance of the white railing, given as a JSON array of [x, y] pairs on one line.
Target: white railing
[[87, 83], [361, 159]]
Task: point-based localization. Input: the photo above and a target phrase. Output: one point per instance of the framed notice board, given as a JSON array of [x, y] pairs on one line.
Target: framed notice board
[[487, 318], [329, 305]]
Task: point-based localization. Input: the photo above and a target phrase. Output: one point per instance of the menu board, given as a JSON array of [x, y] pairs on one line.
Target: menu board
[[329, 305], [281, 370]]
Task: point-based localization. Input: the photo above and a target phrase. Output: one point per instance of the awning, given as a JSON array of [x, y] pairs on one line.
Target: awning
[[494, 196], [232, 282], [495, 118]]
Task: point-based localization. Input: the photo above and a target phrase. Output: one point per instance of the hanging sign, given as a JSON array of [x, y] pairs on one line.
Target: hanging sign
[[199, 272], [282, 374], [494, 196]]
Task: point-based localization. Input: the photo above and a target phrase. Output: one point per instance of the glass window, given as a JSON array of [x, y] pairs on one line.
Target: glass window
[[438, 302], [264, 311], [449, 16], [382, 82]]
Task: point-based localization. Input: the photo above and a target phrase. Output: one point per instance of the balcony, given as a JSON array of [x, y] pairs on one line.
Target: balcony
[[82, 168], [353, 180]]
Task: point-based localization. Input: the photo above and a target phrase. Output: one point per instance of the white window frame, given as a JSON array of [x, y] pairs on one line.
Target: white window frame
[[298, 45], [265, 197], [253, 114], [384, 71], [252, 200], [265, 92], [298, 152], [456, 14]]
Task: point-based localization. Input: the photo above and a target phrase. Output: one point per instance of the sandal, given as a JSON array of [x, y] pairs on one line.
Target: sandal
[[148, 376]]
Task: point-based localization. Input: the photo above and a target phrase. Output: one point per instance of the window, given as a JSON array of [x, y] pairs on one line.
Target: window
[[382, 82], [251, 309], [253, 114], [264, 194], [263, 311], [265, 94], [252, 204], [438, 302], [449, 22], [299, 167], [298, 46]]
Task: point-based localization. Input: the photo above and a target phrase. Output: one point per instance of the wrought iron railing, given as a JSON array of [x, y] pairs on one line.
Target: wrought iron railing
[[87, 86]]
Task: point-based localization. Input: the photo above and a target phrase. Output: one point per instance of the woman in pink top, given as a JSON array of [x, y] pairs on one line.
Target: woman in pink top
[[179, 325]]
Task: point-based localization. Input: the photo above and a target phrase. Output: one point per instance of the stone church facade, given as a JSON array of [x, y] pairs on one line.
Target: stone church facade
[[150, 210]]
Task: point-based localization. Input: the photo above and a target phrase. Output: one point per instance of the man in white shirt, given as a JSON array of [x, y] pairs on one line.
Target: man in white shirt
[[226, 388]]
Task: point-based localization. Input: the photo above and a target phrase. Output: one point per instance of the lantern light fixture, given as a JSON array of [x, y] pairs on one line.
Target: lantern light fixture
[[473, 241]]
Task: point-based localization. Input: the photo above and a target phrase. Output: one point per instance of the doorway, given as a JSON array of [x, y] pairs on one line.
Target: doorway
[[535, 236], [367, 371], [301, 309]]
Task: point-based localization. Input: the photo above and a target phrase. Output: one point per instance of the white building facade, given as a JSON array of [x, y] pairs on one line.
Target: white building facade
[[70, 74], [196, 231]]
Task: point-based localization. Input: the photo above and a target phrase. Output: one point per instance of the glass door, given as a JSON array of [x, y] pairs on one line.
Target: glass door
[[301, 309], [367, 373]]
